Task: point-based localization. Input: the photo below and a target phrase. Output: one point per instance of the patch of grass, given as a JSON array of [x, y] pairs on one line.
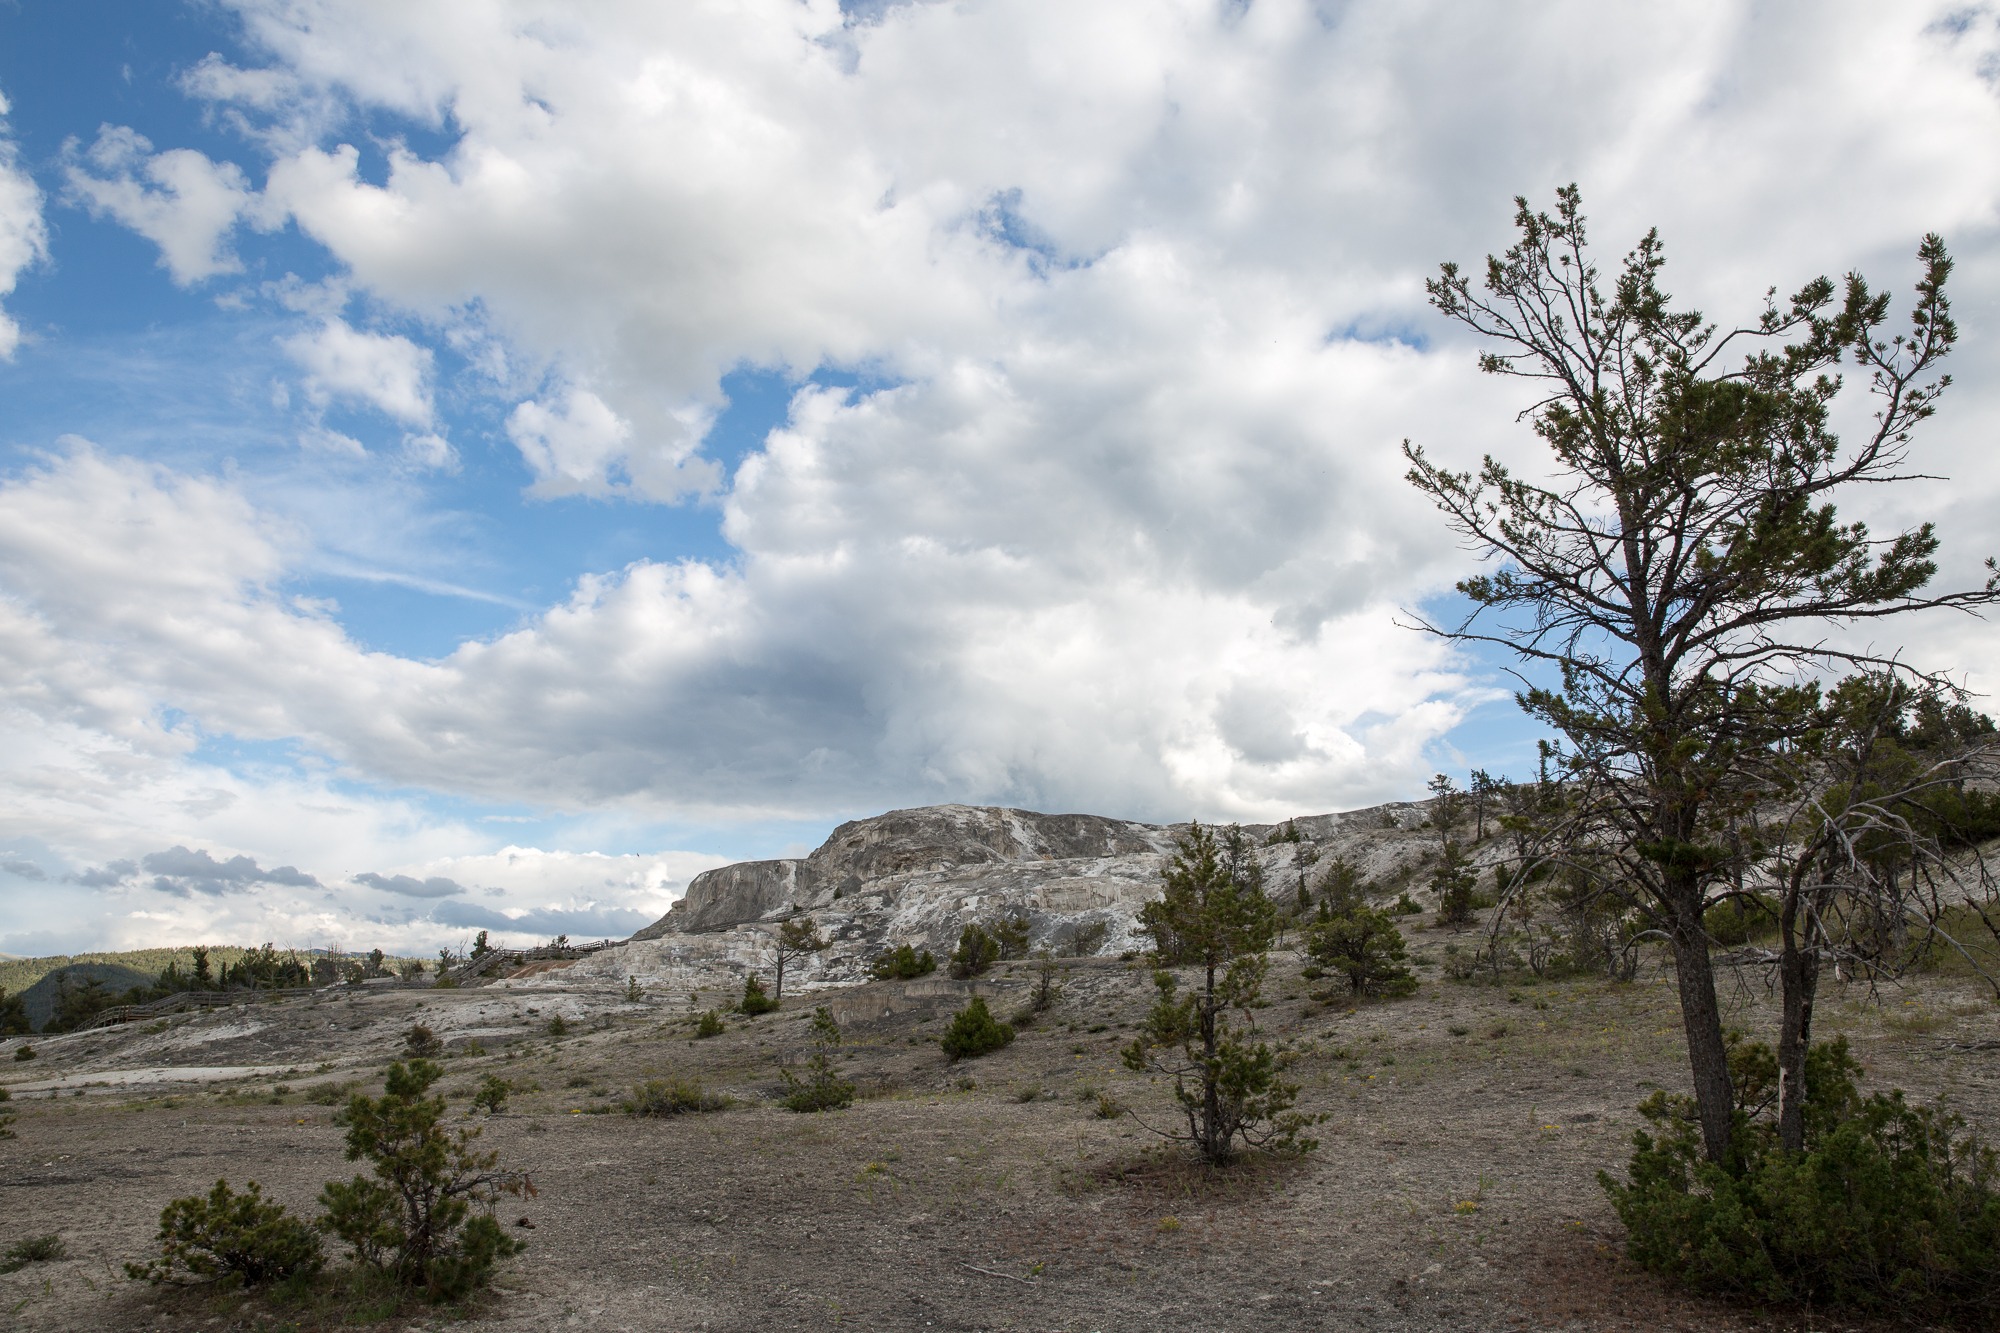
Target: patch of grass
[[34, 1250], [1911, 1019], [660, 1097], [328, 1094]]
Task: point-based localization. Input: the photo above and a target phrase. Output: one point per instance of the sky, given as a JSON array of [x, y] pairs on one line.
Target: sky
[[474, 465]]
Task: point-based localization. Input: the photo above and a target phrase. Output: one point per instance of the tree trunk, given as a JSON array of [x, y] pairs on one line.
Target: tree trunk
[[1798, 971], [1701, 1019], [1211, 1110], [778, 992]]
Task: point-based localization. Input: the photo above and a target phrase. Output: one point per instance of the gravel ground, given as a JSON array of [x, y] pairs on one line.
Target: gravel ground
[[1454, 1188]]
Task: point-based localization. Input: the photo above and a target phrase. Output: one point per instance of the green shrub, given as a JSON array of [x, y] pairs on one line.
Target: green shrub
[[977, 951], [755, 999], [34, 1250], [1365, 947], [7, 1118], [1405, 905], [24, 1052], [1737, 921], [420, 1043], [491, 1096], [901, 964], [232, 1238], [413, 1219], [709, 1026], [658, 1097], [1890, 1208], [1083, 939], [558, 1026], [975, 1032], [634, 992], [1010, 933], [822, 1089]]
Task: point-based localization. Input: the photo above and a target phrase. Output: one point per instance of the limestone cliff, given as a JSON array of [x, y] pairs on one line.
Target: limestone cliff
[[918, 876]]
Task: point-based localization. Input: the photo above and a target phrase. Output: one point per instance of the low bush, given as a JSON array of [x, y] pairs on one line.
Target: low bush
[[709, 1026], [822, 1089], [226, 1237], [558, 1026], [33, 1250], [1890, 1208], [1739, 920], [491, 1096], [756, 1000], [7, 1117], [1405, 905], [420, 1043], [1366, 949], [975, 1032], [24, 1052], [659, 1097], [902, 963], [1084, 938]]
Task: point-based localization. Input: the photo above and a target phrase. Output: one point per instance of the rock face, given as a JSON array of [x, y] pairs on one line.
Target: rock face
[[918, 877], [936, 839]]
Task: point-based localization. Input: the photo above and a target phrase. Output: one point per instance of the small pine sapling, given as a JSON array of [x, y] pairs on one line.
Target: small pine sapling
[[1364, 946], [902, 963], [822, 1089], [976, 953], [755, 999], [413, 1219], [1214, 917], [709, 1025], [974, 1031], [1010, 934], [491, 1096]]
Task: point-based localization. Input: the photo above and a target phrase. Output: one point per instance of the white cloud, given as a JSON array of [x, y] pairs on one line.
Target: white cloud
[[1116, 521], [386, 371], [576, 446], [24, 238], [179, 199]]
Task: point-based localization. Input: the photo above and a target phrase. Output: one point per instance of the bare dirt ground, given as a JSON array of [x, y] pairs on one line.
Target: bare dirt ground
[[1455, 1186]]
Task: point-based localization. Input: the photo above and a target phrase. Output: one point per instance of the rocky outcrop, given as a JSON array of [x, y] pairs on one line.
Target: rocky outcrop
[[864, 852], [918, 876]]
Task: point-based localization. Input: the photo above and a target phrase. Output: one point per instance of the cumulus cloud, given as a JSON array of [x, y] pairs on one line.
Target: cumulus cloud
[[182, 201], [408, 886], [544, 923], [386, 371], [24, 238], [577, 445], [1131, 302], [25, 869], [182, 871]]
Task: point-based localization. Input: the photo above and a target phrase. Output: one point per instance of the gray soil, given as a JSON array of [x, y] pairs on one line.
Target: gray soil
[[1454, 1186]]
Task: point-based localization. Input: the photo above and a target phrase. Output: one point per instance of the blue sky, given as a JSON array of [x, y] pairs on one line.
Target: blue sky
[[549, 451]]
